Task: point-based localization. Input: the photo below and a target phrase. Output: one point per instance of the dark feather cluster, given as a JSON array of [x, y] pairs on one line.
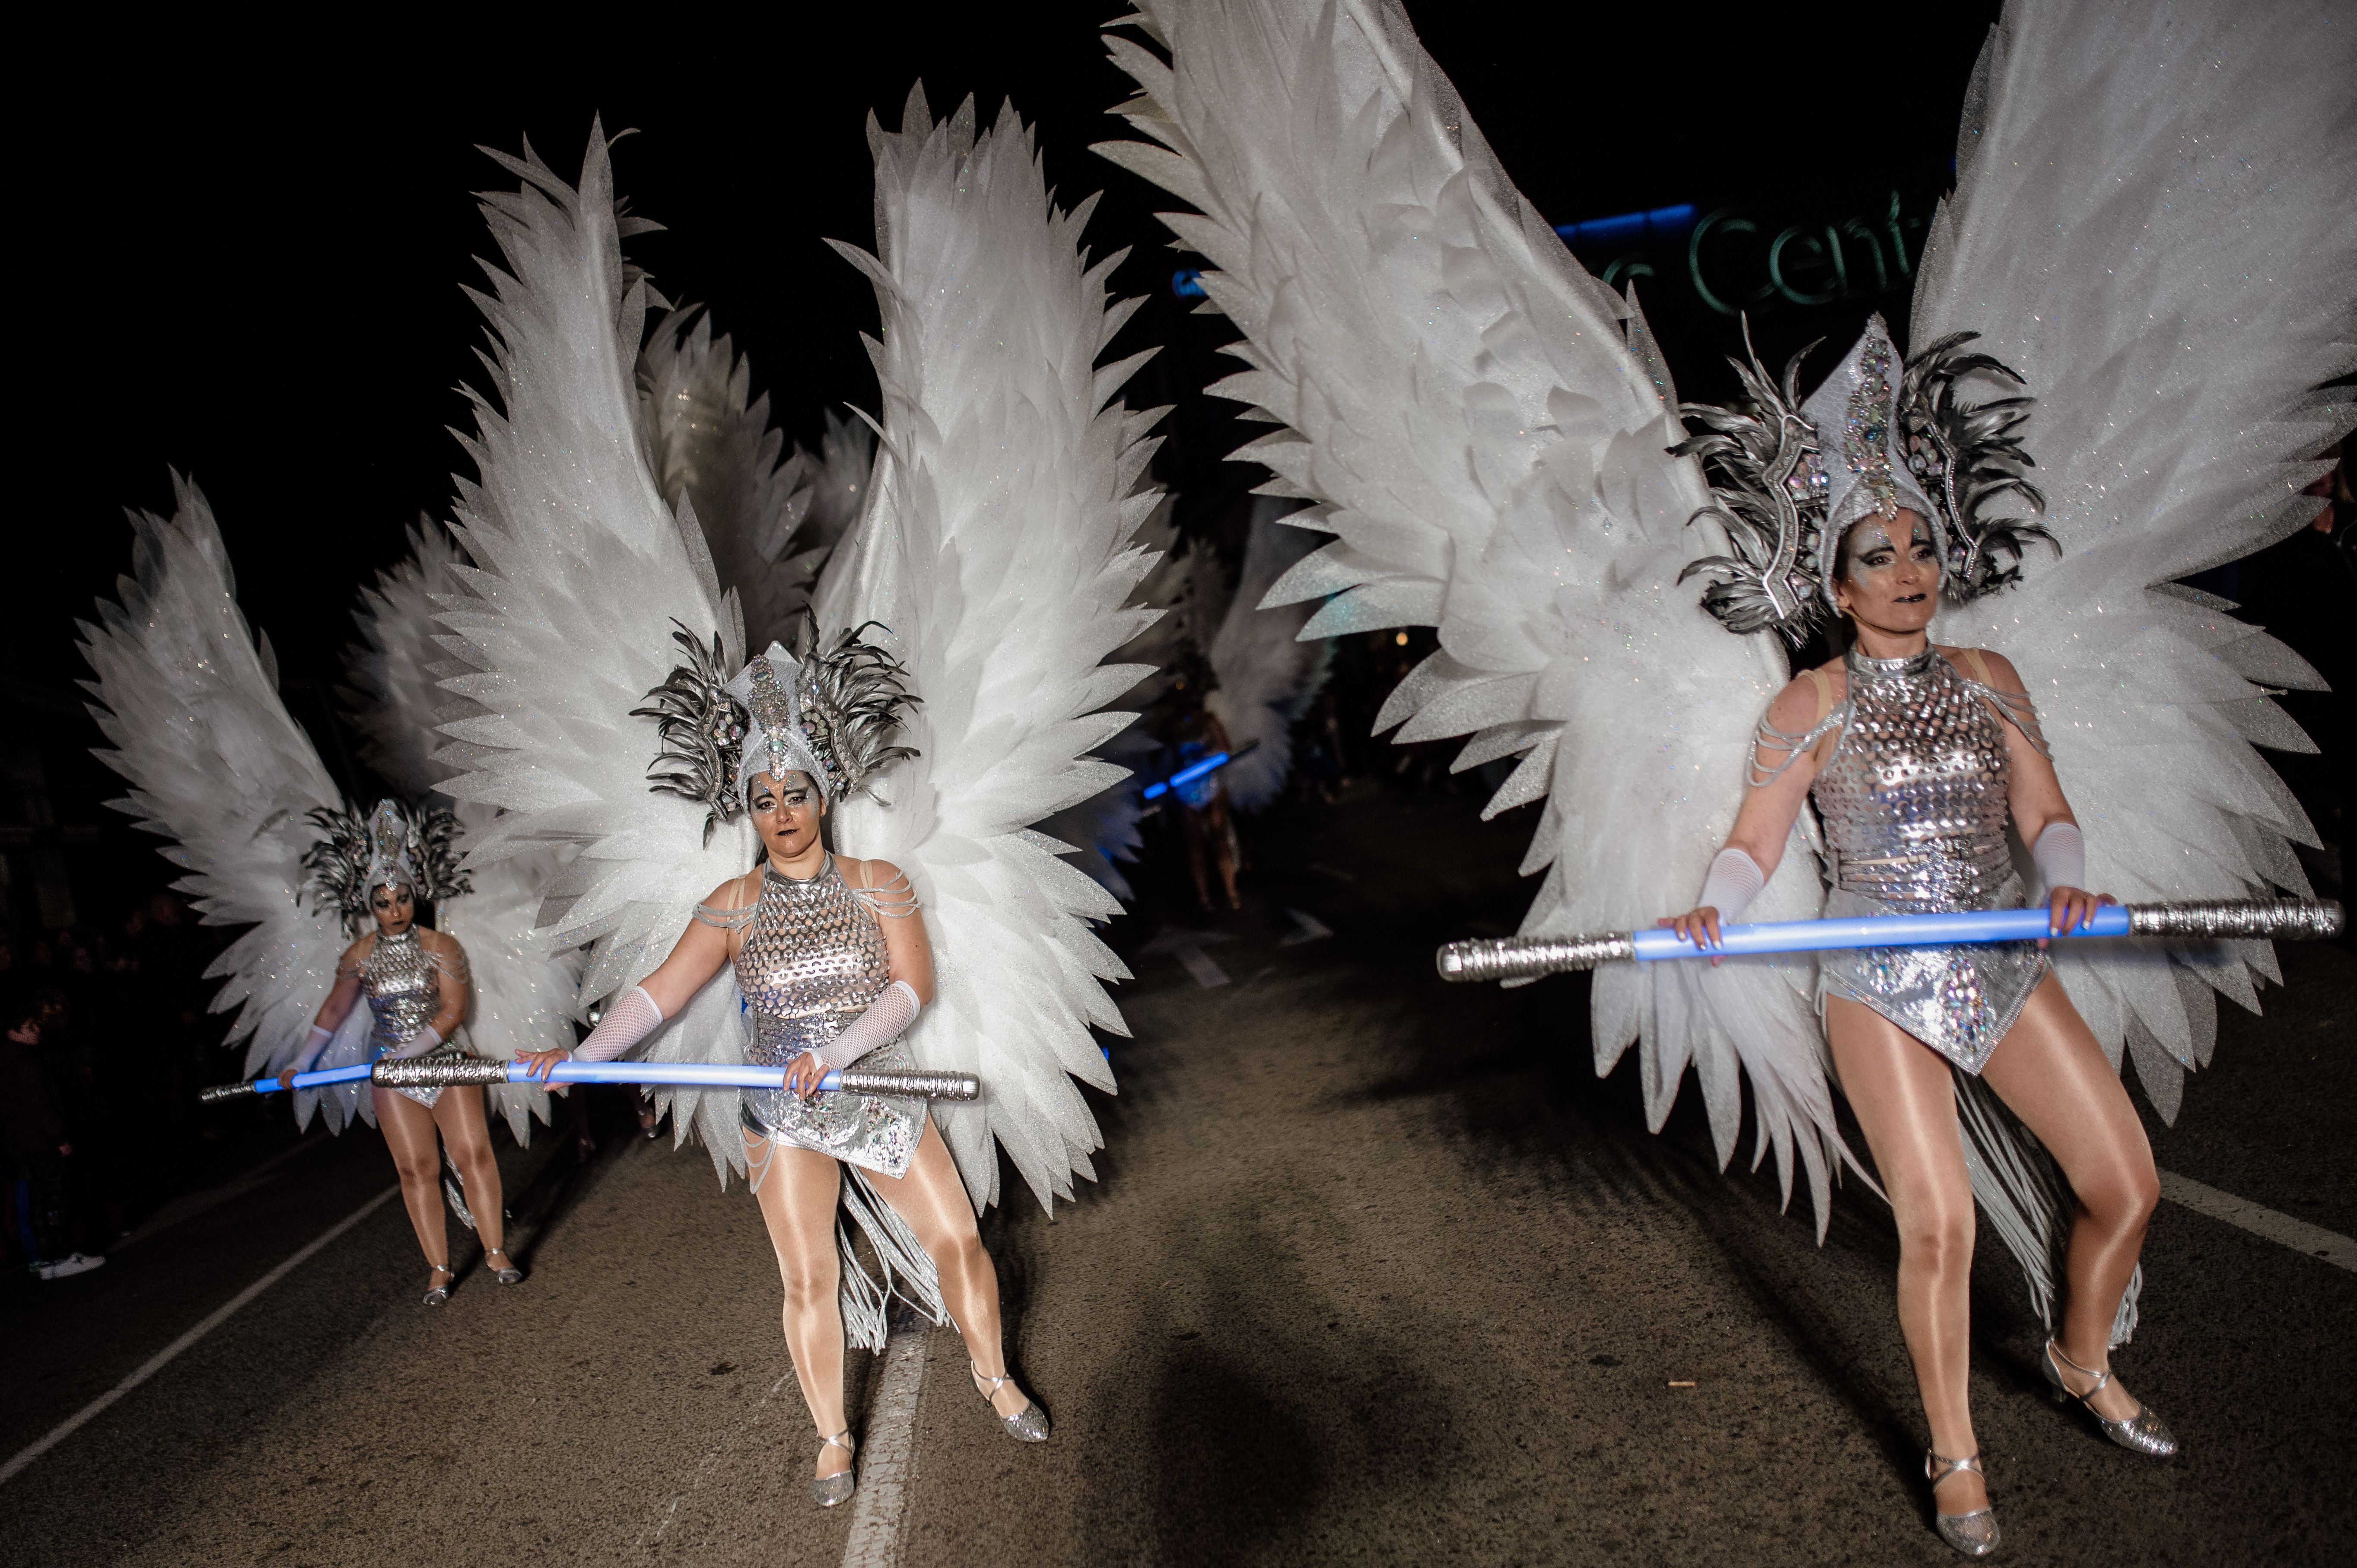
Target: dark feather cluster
[[1969, 456], [703, 729], [337, 863], [1768, 487], [852, 700]]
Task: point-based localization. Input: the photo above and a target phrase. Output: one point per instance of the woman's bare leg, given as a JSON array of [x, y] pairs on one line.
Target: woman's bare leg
[[2049, 1071], [932, 1200], [798, 1192], [459, 1113], [1906, 1102], [409, 1133]]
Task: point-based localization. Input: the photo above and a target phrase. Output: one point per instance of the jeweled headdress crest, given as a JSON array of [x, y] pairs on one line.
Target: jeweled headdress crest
[[829, 714], [391, 846], [1790, 480]]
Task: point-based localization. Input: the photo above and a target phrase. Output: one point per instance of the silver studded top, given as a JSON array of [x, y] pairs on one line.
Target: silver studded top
[[812, 950], [1914, 799], [403, 983]]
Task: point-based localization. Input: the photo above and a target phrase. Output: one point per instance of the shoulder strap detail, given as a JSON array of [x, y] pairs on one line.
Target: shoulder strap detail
[[2014, 707], [1824, 685]]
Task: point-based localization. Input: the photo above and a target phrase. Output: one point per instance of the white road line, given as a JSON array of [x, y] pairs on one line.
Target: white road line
[[219, 1316], [1306, 929], [887, 1458], [2281, 1228], [1202, 966]]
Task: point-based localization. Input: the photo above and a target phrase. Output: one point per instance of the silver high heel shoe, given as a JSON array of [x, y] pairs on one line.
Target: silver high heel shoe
[[828, 1491], [1976, 1533], [1028, 1425], [507, 1274], [2144, 1432], [436, 1294]]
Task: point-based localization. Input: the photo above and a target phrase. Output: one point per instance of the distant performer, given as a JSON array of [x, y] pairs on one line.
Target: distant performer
[[337, 899], [2154, 230], [1190, 733]]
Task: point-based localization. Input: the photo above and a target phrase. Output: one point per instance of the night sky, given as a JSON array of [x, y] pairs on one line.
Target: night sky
[[239, 253]]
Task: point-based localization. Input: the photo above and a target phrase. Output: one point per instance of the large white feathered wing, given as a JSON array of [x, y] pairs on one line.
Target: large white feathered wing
[[1267, 676], [394, 694], [1483, 426], [1103, 829], [2156, 224], [711, 446], [187, 697], [997, 551], [582, 575]]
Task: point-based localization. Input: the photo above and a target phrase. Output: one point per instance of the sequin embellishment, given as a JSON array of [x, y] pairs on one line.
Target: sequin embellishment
[[1915, 808], [811, 961]]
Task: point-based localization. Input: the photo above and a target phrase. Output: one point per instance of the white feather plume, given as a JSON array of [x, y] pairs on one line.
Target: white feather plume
[[1483, 426], [1267, 676], [712, 449], [188, 699], [2156, 224], [997, 550], [581, 570]]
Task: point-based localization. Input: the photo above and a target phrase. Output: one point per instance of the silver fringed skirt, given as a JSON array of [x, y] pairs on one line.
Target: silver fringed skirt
[[869, 1131], [1960, 1001]]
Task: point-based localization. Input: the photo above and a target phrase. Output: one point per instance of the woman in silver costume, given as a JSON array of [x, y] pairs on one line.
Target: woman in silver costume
[[832, 960], [1917, 757], [415, 980]]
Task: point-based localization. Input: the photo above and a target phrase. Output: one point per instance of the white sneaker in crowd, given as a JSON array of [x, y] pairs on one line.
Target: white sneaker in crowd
[[78, 1263]]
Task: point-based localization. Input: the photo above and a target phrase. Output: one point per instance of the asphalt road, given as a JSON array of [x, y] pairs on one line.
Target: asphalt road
[[1375, 1270]]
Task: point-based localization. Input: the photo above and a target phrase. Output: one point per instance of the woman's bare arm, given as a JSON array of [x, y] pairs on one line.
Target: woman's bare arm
[[347, 989], [907, 952], [452, 982], [697, 956]]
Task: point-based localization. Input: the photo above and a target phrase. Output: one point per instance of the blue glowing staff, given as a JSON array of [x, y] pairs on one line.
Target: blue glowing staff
[[423, 1073], [1194, 770], [1524, 957]]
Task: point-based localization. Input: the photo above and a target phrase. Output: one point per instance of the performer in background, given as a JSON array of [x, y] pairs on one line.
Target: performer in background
[[1493, 438], [189, 698], [991, 573]]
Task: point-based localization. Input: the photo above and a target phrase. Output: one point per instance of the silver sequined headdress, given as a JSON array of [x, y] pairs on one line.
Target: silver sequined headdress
[[393, 846], [830, 714], [1789, 480]]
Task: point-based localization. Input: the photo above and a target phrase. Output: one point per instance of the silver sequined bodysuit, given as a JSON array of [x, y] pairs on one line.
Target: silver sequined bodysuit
[[811, 961], [1914, 805], [403, 983]]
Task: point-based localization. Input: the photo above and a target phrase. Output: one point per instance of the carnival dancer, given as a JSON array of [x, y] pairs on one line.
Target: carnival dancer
[[338, 897], [989, 577], [1493, 438]]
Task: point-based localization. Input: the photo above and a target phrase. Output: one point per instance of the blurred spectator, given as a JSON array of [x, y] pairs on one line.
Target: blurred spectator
[[40, 1150]]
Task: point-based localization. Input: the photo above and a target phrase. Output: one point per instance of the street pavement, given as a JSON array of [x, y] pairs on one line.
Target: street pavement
[[1375, 1270]]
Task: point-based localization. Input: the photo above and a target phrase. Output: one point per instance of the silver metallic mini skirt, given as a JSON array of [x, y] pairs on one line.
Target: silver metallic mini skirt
[[869, 1131], [1959, 1000]]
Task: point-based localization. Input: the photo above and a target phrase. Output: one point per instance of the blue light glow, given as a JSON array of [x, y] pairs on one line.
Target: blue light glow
[[1628, 227], [1186, 774]]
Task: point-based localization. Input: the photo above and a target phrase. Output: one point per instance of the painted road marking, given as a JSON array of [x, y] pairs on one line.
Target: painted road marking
[[2259, 1220], [221, 1315], [887, 1459], [1306, 929], [1202, 966]]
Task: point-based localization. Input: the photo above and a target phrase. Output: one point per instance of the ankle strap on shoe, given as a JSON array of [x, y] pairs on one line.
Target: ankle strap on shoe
[[1938, 1467], [842, 1440], [2092, 1389], [981, 1377]]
